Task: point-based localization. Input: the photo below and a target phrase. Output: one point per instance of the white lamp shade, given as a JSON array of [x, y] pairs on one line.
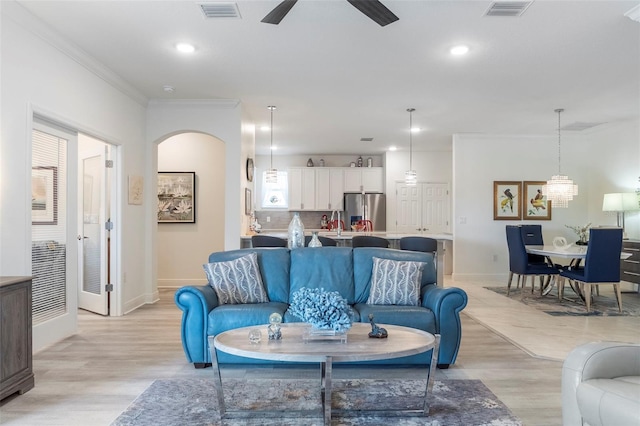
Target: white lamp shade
[[620, 202]]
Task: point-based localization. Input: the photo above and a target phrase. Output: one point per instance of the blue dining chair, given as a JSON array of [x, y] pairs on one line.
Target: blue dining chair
[[519, 262], [601, 266], [369, 241], [267, 241], [424, 244], [532, 235]]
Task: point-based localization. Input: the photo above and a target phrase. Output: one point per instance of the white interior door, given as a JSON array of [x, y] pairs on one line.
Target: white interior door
[[435, 207], [408, 209], [92, 233]]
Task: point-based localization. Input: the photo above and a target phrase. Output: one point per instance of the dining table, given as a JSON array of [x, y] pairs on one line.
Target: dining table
[[575, 252]]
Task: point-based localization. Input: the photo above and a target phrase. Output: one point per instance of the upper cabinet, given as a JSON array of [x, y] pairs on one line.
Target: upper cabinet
[[329, 188], [363, 179], [323, 188], [302, 188]]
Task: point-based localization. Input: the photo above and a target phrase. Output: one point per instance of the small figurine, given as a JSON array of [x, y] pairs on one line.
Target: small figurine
[[273, 330], [377, 332]]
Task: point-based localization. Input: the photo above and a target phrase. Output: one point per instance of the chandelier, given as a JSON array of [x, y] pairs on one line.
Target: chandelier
[[271, 174], [560, 189], [410, 176]]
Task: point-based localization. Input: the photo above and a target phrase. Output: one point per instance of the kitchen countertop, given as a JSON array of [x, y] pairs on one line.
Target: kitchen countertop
[[347, 235]]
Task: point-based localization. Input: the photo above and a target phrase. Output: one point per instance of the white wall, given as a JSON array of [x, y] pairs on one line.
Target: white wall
[[38, 76], [222, 119], [478, 160], [184, 247], [431, 166]]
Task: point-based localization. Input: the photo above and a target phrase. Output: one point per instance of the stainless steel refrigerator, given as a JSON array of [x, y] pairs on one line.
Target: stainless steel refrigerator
[[371, 207]]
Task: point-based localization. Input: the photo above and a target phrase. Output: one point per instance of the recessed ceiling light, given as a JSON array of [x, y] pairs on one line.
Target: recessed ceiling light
[[393, 148], [185, 48], [265, 128], [274, 148], [415, 129], [168, 89], [459, 50]]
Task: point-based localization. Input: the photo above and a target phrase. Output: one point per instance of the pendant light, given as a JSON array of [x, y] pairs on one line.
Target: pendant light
[[410, 176], [560, 189], [272, 174]]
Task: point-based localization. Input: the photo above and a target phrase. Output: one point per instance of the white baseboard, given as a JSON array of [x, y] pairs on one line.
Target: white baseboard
[[480, 277], [177, 283]]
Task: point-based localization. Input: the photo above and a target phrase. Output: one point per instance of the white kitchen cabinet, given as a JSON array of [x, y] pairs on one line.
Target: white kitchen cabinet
[[364, 179], [302, 188], [329, 188], [422, 208]]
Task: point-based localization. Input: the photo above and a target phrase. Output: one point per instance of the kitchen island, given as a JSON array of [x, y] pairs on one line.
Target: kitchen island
[[443, 256]]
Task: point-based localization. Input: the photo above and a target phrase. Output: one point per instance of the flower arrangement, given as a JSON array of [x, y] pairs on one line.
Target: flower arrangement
[[582, 231], [325, 310]]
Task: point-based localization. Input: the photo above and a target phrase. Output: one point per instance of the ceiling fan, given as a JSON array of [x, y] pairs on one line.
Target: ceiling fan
[[372, 8]]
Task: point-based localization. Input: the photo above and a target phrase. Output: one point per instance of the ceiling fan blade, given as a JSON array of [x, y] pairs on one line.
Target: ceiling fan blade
[[279, 12], [375, 10]]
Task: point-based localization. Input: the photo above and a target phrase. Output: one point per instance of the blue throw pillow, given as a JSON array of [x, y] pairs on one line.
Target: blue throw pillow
[[237, 281], [395, 282]]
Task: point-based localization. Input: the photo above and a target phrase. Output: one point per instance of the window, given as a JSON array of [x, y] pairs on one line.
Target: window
[[275, 195]]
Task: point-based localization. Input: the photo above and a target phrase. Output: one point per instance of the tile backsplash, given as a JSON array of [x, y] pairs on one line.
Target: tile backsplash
[[281, 219]]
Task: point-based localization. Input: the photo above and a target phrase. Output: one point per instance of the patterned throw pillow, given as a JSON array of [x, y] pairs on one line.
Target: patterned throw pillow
[[237, 281], [395, 282]]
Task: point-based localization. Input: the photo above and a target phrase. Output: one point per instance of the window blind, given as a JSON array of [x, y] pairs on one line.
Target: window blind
[[49, 227]]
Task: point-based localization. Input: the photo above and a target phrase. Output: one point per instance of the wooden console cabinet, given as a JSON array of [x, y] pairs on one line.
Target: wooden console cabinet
[[630, 267], [16, 366]]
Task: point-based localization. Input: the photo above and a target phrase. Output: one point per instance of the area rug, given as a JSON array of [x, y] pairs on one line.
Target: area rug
[[193, 402], [571, 304]]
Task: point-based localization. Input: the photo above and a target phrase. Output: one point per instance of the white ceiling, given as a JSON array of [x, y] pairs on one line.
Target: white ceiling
[[335, 76]]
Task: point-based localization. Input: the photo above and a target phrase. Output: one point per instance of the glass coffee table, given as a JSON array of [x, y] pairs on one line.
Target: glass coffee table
[[402, 341]]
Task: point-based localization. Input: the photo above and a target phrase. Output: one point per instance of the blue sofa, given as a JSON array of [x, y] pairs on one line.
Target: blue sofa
[[341, 269]]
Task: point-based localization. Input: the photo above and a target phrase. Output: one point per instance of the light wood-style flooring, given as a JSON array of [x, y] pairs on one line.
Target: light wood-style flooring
[[91, 377]]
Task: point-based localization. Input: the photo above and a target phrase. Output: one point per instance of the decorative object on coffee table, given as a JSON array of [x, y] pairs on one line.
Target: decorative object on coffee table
[[377, 332], [324, 310], [274, 329]]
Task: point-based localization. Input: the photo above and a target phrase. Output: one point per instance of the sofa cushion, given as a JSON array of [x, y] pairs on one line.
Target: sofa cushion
[[395, 282], [408, 316], [363, 267], [237, 281], [330, 268], [609, 401], [228, 317], [274, 268]]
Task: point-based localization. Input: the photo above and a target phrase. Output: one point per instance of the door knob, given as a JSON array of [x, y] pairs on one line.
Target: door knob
[[80, 237]]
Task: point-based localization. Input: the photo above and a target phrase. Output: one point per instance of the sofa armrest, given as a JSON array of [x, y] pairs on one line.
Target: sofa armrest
[[195, 302], [597, 360], [446, 304]]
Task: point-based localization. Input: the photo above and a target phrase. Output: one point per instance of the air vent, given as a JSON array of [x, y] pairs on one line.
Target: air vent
[[366, 139], [220, 10], [508, 8], [579, 126]]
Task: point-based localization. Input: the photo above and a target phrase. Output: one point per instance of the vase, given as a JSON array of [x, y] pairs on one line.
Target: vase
[[315, 241], [296, 232]]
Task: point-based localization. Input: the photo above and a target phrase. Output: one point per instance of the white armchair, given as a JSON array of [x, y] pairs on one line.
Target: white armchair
[[601, 385]]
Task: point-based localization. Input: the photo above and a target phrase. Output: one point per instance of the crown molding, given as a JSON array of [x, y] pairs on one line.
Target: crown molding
[[39, 28]]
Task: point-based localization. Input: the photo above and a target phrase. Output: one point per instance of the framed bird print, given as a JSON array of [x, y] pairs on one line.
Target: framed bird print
[[535, 206], [506, 200]]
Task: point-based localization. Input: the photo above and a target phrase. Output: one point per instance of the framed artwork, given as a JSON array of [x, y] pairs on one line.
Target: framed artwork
[[247, 201], [136, 185], [535, 206], [44, 195], [176, 197], [506, 200]]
